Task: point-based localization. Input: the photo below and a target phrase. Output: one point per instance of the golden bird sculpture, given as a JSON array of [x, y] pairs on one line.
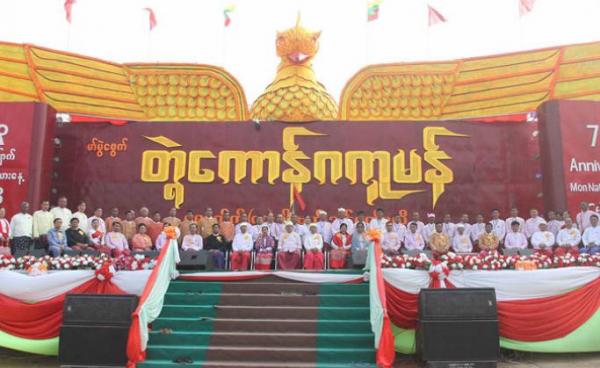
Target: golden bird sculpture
[[295, 95]]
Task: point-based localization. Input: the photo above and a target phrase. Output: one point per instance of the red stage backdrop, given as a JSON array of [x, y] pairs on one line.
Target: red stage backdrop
[[26, 133], [570, 144], [455, 167]]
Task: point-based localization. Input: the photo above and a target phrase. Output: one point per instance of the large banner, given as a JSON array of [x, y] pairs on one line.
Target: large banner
[[26, 133], [454, 167], [570, 144]]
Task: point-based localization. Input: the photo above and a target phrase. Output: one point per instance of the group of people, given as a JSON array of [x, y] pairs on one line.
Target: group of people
[[295, 242]]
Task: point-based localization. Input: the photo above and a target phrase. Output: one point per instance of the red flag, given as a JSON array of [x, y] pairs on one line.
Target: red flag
[[435, 16], [525, 6], [151, 18], [68, 8], [298, 198]]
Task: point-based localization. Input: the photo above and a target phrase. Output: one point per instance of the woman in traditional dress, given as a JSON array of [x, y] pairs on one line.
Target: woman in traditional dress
[[340, 247], [264, 245], [141, 242], [313, 244]]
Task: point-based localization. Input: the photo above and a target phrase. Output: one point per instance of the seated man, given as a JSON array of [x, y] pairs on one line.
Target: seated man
[[340, 246], [116, 241], [568, 239], [461, 243], [290, 245], [413, 240], [360, 245], [591, 237], [515, 238], [390, 242], [264, 245], [488, 241], [77, 239], [193, 240], [543, 240], [162, 239], [141, 242], [241, 247], [439, 240], [96, 236], [57, 240], [313, 244], [215, 244]]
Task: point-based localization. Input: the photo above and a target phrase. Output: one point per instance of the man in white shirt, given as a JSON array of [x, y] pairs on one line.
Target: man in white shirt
[[477, 229], [378, 222], [193, 240], [461, 242], [427, 229], [498, 225], [390, 243], [554, 225], [543, 240], [568, 239], [591, 237], [584, 216], [98, 212], [448, 226], [416, 218], [43, 221], [257, 228], [515, 239], [342, 219], [514, 216], [82, 217], [21, 226], [532, 224], [464, 221], [244, 220], [398, 226], [413, 239], [324, 227], [241, 247], [62, 212]]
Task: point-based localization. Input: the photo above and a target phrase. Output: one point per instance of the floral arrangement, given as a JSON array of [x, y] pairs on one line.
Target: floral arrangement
[[491, 261], [84, 262]]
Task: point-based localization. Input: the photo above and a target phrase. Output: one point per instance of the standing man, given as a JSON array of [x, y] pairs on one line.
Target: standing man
[[206, 222], [398, 226], [498, 225], [378, 222], [21, 226], [81, 216], [110, 220], [184, 226], [416, 218], [583, 218], [532, 225], [342, 219], [62, 212], [129, 226], [428, 229], [42, 223], [448, 226], [324, 227], [514, 216]]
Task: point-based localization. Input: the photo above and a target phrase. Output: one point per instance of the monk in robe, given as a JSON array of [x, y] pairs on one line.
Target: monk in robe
[[340, 247], [184, 226], [313, 244], [172, 218], [439, 240], [216, 247], [227, 228], [290, 245], [143, 218], [241, 249], [264, 246], [110, 220], [488, 241], [155, 227], [128, 225], [206, 222]]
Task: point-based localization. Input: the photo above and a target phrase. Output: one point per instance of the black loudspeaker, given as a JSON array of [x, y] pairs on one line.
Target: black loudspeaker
[[192, 259], [99, 309], [95, 330], [458, 328]]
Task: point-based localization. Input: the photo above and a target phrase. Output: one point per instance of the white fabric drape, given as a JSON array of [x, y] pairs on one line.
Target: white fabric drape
[[312, 277]]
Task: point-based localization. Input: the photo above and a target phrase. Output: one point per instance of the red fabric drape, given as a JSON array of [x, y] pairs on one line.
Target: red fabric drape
[[539, 319], [548, 318], [402, 307], [42, 320]]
